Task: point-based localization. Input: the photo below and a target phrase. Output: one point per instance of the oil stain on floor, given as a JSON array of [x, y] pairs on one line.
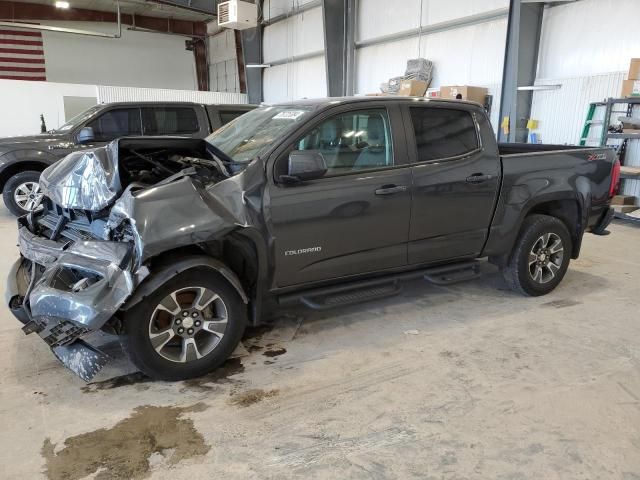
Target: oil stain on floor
[[250, 397], [136, 378], [123, 451]]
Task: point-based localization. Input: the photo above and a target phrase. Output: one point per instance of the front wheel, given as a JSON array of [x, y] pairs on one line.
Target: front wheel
[[186, 328], [22, 194], [540, 257]]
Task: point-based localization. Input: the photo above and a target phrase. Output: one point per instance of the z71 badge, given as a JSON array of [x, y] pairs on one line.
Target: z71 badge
[[597, 156]]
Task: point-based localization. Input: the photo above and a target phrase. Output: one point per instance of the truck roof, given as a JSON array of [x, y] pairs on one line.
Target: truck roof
[[326, 102], [171, 102]]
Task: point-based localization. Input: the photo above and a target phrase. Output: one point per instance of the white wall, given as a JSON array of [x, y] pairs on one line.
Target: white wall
[[138, 59], [589, 37], [472, 55], [298, 35], [223, 62], [22, 102], [382, 17], [585, 47]]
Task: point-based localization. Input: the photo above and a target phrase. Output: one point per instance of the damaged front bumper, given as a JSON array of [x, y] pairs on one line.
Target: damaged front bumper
[[63, 291]]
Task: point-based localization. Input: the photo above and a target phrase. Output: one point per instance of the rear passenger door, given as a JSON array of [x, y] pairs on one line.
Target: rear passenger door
[[455, 182]]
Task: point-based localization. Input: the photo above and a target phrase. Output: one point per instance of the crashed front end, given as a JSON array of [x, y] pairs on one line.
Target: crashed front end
[[83, 255], [71, 277], [62, 290]]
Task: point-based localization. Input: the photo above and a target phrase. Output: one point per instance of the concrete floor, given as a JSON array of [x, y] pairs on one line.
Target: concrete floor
[[467, 381]]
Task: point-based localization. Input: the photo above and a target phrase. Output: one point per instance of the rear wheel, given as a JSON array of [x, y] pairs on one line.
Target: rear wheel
[[22, 194], [540, 257], [185, 329]]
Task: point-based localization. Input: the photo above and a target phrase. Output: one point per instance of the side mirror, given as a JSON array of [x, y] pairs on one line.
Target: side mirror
[[305, 165], [86, 135]]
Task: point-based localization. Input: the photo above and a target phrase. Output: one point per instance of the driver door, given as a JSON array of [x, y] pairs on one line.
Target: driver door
[[355, 218]]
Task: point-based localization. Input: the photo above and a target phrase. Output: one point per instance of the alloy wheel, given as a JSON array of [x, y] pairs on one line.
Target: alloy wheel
[[28, 196], [545, 258], [188, 324]]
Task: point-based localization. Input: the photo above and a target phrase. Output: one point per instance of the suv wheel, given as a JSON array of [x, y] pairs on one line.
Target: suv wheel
[[22, 193], [540, 257], [186, 328]]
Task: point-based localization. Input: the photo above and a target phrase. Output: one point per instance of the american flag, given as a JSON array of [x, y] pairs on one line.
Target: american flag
[[21, 55]]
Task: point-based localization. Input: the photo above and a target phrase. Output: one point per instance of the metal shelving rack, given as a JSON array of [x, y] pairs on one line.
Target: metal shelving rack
[[605, 136]]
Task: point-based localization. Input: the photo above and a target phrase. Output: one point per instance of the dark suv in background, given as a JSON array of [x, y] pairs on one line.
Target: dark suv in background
[[22, 159]]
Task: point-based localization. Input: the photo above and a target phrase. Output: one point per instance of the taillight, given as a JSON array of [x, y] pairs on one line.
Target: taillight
[[615, 178]]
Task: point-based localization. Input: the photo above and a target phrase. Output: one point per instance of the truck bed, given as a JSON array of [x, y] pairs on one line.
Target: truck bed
[[529, 148]]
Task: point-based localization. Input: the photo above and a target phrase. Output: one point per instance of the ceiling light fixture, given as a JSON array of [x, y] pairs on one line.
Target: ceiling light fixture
[[64, 5]]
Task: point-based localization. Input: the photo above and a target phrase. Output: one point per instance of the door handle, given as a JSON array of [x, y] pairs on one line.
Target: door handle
[[478, 178], [391, 189]]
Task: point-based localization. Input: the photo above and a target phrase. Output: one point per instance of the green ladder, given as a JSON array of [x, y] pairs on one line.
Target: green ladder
[[589, 122]]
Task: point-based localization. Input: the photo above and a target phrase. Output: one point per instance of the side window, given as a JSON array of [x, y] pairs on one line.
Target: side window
[[352, 141], [116, 123], [443, 133], [169, 120], [228, 115]]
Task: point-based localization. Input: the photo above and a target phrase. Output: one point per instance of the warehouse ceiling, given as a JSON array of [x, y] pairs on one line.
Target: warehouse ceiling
[[190, 10]]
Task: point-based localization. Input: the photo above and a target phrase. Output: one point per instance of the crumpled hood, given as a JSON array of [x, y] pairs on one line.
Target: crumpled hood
[[86, 180]]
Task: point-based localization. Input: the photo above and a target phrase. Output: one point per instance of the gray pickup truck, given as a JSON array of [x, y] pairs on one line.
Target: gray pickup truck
[[175, 244], [22, 159]]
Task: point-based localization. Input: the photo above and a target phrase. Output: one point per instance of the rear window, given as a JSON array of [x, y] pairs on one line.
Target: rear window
[[443, 133], [169, 121]]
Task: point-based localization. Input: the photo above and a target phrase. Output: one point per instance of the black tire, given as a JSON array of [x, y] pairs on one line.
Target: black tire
[[136, 339], [520, 272], [29, 176]]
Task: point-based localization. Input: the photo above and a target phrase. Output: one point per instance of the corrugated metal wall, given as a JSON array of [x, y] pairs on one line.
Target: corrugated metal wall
[[295, 36], [470, 55], [586, 47], [131, 94], [561, 113], [223, 62]]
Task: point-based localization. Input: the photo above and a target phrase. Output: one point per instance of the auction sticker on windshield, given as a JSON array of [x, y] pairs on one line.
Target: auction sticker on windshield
[[290, 114]]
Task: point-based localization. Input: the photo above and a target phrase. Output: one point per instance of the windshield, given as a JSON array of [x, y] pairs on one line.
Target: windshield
[[252, 133], [81, 117]]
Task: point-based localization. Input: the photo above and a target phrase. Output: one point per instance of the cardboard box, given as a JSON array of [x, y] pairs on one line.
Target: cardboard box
[[624, 208], [473, 94], [412, 88], [623, 200], [634, 69], [630, 88]]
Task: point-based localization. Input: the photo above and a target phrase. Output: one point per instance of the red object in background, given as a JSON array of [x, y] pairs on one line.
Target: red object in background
[[21, 55]]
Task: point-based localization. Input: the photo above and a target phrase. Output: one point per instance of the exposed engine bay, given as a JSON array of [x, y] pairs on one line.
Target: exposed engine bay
[[148, 167], [81, 189]]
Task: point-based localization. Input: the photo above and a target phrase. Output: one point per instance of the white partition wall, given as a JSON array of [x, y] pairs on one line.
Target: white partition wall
[[585, 47], [470, 54], [294, 47]]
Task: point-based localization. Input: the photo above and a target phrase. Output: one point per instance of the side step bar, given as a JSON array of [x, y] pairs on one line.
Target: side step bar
[[360, 291]]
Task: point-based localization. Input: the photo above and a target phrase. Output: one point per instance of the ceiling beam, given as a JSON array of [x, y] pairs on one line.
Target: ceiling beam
[[19, 11]]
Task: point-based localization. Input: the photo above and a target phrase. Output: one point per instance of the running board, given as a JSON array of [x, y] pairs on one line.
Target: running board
[[453, 274], [360, 291]]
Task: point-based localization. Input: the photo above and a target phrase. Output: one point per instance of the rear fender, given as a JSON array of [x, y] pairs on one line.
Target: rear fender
[[567, 206]]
